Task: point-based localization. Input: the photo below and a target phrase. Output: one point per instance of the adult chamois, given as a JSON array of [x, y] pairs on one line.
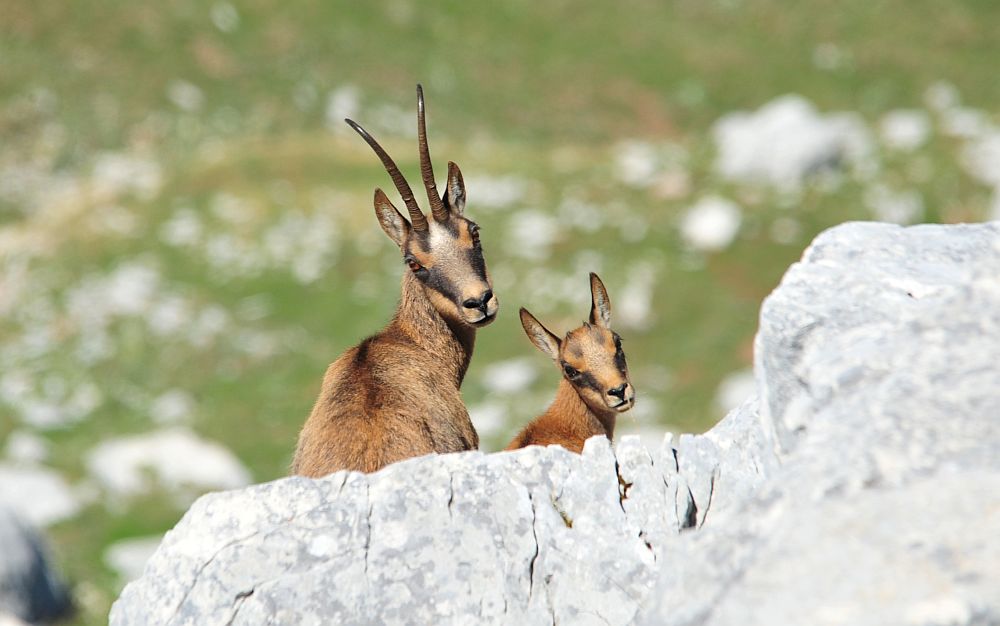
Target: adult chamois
[[595, 386], [396, 394]]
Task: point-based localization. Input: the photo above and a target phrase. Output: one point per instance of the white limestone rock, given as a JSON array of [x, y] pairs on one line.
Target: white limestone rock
[[529, 536], [862, 487], [787, 140], [879, 381]]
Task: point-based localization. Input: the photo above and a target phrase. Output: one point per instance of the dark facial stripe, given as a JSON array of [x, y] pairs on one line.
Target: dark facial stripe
[[620, 362], [440, 283], [477, 262], [585, 380]]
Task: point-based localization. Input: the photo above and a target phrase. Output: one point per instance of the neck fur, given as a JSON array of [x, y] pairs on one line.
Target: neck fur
[[450, 341], [569, 404]]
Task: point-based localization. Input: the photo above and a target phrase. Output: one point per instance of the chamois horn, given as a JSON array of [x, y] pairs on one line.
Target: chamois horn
[[417, 217], [438, 209]]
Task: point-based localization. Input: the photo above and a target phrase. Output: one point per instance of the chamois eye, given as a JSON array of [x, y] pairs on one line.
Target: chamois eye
[[618, 343], [413, 265], [570, 371], [474, 233]]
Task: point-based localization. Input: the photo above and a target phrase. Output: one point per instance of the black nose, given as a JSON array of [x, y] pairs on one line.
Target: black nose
[[480, 302], [618, 391]]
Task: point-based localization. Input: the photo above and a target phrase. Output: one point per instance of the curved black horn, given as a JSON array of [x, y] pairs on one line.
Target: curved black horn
[[417, 217], [438, 209]]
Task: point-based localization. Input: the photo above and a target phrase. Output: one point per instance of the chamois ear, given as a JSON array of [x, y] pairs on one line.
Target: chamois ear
[[539, 335], [392, 221], [600, 304], [454, 193]]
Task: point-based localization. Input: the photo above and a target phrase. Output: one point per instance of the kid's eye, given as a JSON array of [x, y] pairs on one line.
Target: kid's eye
[[413, 265], [570, 371]]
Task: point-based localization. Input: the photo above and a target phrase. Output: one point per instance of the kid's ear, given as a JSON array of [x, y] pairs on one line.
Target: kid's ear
[[540, 336], [392, 221], [454, 194], [600, 304]]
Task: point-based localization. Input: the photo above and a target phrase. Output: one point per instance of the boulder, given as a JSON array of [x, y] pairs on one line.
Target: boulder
[[860, 485], [878, 368], [30, 591]]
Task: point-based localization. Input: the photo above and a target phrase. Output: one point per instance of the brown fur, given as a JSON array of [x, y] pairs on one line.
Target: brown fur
[[396, 394], [583, 407]]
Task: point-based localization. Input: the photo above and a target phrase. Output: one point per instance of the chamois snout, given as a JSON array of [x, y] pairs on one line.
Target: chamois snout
[[621, 398], [482, 309]]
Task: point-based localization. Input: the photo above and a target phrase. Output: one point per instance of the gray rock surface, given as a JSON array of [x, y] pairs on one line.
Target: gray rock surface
[[29, 589], [878, 366], [533, 536], [863, 487]]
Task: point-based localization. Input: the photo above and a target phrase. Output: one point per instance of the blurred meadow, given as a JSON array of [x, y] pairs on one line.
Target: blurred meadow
[[187, 236]]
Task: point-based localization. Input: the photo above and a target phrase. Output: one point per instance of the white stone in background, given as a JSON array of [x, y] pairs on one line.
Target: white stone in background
[[829, 56], [342, 102], [39, 495], [531, 234], [489, 418], [636, 162], [941, 96], [129, 289], [895, 207], [711, 224], [52, 406], [633, 302], [581, 215], [905, 129], [495, 192], [172, 407], [225, 17], [981, 158], [210, 322], [786, 141], [734, 389], [184, 228], [510, 376], [187, 96], [965, 122], [128, 557], [30, 588], [116, 173], [25, 447], [169, 315], [177, 458], [304, 244]]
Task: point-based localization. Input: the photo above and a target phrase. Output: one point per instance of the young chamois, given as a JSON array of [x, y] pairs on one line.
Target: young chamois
[[595, 386], [396, 394]]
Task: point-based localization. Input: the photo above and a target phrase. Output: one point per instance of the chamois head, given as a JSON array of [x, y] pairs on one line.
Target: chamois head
[[443, 252], [590, 357]]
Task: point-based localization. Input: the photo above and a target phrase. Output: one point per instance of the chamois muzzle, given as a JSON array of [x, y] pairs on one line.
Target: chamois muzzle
[[621, 398], [481, 310]]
